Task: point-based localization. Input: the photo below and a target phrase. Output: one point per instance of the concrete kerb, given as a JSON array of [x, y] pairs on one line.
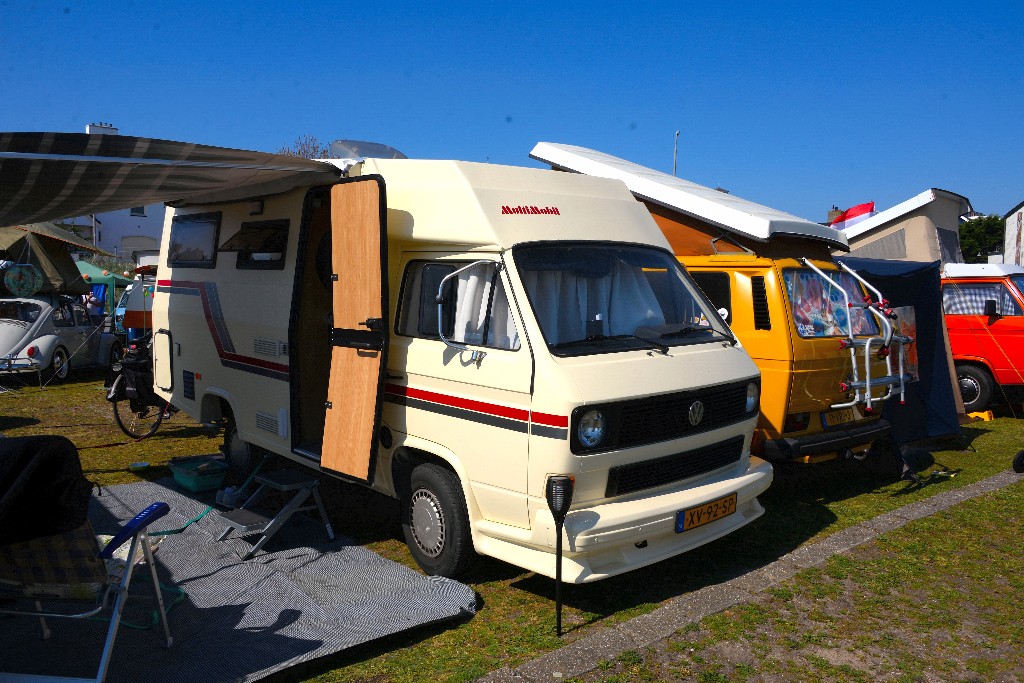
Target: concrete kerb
[[582, 655]]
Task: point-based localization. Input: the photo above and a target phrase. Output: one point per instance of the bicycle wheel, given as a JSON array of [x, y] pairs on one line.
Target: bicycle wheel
[[138, 424]]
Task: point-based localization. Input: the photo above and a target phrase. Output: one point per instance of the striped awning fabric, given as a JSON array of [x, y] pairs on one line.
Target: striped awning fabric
[[46, 176]]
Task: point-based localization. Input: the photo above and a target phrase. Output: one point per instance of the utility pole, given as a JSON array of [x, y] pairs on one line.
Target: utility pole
[[675, 154]]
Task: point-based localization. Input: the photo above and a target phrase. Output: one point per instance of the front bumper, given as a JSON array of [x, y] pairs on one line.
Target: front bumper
[[616, 537], [834, 441]]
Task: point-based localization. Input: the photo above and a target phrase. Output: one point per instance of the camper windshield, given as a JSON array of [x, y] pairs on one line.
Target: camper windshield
[[819, 308], [19, 310], [593, 298]]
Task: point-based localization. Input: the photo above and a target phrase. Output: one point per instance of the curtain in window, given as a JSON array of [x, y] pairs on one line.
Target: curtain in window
[[968, 299], [473, 296], [565, 302]]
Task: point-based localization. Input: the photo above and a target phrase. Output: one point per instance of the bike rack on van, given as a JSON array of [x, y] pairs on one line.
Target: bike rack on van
[[883, 313]]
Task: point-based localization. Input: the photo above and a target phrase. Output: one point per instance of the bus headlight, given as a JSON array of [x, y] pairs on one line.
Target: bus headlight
[[591, 428], [753, 393]]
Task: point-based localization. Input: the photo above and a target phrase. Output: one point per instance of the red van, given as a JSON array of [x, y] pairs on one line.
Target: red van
[[984, 311]]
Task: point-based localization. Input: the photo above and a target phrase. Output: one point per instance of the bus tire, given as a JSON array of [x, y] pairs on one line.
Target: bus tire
[[976, 387], [435, 522]]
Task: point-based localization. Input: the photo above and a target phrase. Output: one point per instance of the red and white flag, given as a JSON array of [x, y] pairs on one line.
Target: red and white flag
[[853, 215]]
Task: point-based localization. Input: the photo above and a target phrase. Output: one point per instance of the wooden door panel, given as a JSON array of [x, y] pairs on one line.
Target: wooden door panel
[[359, 335]]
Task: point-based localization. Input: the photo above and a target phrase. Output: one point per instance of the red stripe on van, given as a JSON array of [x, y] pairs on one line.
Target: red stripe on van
[[478, 406], [550, 420]]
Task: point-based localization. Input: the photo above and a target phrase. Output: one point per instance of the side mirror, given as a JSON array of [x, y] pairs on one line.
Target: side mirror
[[990, 308]]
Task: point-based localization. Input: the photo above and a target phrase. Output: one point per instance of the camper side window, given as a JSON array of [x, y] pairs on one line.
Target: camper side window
[[475, 308], [969, 299], [260, 245], [194, 241]]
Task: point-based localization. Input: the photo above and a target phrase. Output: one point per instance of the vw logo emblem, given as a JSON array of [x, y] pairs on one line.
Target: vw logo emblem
[[696, 413]]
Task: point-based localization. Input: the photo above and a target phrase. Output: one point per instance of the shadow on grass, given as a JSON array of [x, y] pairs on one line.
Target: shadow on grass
[[797, 509], [15, 422]]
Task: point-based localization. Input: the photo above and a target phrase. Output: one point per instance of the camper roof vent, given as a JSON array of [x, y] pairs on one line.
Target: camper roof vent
[[352, 149]]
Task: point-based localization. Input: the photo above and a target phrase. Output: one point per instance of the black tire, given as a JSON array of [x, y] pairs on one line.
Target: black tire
[[242, 457], [60, 366], [137, 424], [435, 522], [1018, 462], [976, 387]]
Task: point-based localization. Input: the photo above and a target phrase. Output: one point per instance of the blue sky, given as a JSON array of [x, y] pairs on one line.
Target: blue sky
[[796, 105]]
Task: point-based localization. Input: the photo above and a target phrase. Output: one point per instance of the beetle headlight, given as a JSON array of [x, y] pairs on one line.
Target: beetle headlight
[[753, 393], [591, 428]]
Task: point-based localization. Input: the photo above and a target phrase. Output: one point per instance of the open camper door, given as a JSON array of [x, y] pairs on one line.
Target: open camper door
[[359, 339]]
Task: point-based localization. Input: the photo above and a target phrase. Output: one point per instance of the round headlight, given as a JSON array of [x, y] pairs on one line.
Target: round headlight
[[591, 428], [753, 390]]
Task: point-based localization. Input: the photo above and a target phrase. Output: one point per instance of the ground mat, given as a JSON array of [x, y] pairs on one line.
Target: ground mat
[[305, 598]]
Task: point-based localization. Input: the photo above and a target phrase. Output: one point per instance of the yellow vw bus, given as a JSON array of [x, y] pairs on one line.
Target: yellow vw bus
[[823, 350]]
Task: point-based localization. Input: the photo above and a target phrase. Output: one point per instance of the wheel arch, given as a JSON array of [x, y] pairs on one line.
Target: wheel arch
[[215, 407], [46, 344], [976, 361], [412, 452]]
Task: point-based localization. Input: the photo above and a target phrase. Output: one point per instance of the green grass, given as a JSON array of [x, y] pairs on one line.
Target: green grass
[[515, 619], [935, 600]]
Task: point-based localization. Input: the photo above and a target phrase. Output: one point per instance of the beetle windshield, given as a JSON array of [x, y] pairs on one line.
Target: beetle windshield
[[595, 297], [819, 307]]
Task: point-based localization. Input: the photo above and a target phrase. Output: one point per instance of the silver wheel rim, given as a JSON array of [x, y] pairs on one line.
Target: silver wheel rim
[[60, 365], [427, 523], [969, 390]]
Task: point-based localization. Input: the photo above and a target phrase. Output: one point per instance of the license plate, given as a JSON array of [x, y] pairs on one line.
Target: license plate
[[838, 417], [699, 515]]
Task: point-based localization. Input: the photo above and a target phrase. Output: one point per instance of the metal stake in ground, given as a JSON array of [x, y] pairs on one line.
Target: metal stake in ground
[[559, 494]]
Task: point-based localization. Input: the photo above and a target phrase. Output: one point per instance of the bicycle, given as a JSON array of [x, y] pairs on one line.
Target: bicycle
[[138, 411]]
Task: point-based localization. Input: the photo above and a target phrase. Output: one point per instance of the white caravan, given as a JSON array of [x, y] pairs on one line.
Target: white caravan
[[453, 334]]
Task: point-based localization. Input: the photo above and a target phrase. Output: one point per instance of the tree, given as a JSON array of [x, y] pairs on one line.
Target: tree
[[307, 147], [980, 237]]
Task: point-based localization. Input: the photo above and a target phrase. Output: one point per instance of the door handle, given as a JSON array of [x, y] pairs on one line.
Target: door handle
[[373, 324]]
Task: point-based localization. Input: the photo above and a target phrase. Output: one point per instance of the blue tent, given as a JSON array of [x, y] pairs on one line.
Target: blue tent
[[931, 408]]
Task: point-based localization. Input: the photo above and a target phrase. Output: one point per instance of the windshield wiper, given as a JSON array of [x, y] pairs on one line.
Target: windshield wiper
[[685, 331], [603, 337]]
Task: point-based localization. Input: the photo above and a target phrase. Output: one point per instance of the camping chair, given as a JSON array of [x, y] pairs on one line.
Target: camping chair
[[67, 567]]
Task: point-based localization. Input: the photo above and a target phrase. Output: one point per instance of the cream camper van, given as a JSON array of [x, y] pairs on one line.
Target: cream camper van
[[459, 341], [453, 334]]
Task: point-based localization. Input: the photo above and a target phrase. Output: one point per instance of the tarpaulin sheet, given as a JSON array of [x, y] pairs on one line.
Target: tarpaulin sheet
[[308, 597]]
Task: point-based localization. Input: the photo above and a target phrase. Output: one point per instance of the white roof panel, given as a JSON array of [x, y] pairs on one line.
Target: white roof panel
[[981, 269], [901, 209], [726, 211]]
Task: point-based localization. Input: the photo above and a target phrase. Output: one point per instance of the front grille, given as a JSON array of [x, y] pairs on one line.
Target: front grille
[[671, 468], [661, 418]]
